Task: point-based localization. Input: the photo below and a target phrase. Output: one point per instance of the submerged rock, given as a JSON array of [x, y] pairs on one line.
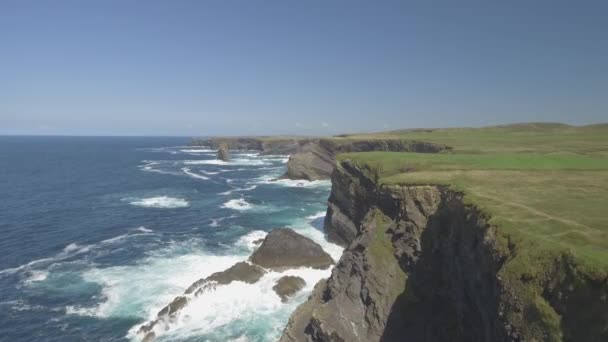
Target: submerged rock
[[287, 286], [283, 248], [223, 153]]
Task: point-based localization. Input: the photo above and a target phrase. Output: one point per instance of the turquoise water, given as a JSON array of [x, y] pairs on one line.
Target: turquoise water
[[98, 234]]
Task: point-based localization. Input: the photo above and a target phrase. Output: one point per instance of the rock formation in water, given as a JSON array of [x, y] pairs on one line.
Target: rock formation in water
[[223, 153], [288, 286], [421, 265], [282, 249]]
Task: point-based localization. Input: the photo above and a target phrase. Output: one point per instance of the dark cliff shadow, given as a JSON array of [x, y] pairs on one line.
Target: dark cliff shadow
[[451, 292]]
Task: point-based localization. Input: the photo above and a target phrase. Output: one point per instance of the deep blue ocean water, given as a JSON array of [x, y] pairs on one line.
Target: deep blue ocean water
[[97, 234]]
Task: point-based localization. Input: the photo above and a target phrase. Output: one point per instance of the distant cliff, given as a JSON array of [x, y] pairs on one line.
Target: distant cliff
[[317, 159], [314, 158], [421, 265], [266, 145]]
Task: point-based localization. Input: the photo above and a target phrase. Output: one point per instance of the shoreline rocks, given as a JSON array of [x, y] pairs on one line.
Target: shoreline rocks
[[280, 250], [283, 248]]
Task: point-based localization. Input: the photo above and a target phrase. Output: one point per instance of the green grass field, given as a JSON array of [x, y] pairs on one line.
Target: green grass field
[[546, 184], [522, 138]]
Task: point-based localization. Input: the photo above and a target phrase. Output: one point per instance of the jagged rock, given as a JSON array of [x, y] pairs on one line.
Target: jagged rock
[[223, 153], [240, 271], [287, 286], [174, 306], [283, 248], [312, 162], [316, 160], [151, 336]]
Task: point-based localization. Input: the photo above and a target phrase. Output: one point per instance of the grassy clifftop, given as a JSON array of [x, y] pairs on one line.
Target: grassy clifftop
[[518, 138], [545, 188], [548, 182], [545, 183]]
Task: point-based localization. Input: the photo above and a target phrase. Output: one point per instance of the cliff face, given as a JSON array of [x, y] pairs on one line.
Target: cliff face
[[316, 160], [265, 146], [420, 265]]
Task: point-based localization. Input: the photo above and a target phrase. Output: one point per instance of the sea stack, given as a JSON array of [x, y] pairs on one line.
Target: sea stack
[[222, 152]]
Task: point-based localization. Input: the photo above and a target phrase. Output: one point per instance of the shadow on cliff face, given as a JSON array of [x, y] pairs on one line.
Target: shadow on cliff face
[[452, 293]]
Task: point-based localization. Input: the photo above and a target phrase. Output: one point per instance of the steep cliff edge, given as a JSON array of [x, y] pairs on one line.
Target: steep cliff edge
[[421, 264], [314, 158]]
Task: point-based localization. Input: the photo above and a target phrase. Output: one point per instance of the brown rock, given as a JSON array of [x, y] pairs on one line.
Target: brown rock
[[283, 248], [222, 152], [287, 286], [240, 271]]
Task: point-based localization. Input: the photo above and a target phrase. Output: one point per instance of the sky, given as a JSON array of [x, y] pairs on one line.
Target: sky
[[251, 67]]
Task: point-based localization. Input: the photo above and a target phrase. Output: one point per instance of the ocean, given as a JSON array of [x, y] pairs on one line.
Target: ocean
[[100, 233]]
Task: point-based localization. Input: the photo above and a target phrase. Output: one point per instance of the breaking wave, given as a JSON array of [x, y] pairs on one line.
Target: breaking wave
[[193, 175], [163, 202]]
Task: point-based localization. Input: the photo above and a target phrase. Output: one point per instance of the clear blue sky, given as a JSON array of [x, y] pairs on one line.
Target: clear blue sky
[[307, 67]]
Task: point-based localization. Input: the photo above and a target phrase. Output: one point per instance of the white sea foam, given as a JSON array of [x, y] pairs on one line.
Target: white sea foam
[[248, 241], [196, 150], [248, 188], [232, 162], [36, 276], [193, 175], [272, 179], [210, 173], [68, 251], [152, 166], [242, 205], [317, 215], [215, 222], [238, 204], [251, 155], [160, 202], [141, 290], [144, 229]]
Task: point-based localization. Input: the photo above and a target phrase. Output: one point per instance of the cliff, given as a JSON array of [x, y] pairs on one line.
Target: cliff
[[424, 264], [315, 159], [266, 145]]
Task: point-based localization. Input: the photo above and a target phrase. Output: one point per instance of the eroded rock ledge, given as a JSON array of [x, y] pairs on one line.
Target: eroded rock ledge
[[420, 265]]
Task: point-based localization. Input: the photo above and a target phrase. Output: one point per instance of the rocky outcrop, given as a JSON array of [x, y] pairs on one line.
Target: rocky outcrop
[[421, 265], [223, 153], [241, 271], [280, 250], [315, 161], [311, 162], [283, 248], [312, 158], [287, 286]]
